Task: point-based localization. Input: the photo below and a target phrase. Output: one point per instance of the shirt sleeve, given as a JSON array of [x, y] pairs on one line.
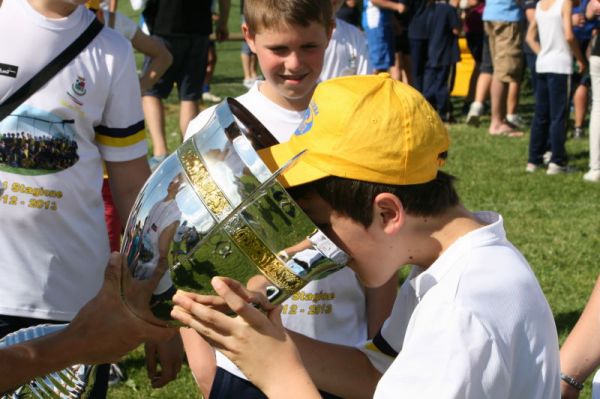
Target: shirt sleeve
[[121, 135], [125, 26]]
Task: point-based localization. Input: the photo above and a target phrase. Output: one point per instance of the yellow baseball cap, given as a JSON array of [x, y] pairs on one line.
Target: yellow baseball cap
[[370, 128]]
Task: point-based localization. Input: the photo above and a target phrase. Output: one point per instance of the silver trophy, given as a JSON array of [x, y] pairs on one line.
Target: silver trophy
[[213, 208]]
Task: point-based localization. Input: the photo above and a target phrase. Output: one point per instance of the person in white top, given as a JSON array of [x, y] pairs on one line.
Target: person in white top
[[87, 114], [290, 54], [471, 320], [555, 49], [347, 52]]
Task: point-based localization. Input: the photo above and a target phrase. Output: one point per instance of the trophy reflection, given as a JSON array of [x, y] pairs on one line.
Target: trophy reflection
[[213, 208]]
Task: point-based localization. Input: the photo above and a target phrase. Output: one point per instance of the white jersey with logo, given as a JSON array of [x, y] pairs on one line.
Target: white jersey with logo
[[475, 324], [346, 53], [53, 238], [332, 309]]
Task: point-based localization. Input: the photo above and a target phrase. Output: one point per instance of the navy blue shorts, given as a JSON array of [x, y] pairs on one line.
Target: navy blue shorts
[[229, 386], [187, 70]]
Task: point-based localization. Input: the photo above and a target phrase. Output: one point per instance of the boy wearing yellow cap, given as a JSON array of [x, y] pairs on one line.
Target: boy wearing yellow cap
[[470, 321], [290, 38]]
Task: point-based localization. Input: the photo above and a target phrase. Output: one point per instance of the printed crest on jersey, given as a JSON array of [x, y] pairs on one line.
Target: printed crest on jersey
[[309, 117], [36, 142], [79, 86], [78, 89]]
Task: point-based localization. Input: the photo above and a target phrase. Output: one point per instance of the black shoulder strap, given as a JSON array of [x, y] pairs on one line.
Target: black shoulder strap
[[48, 72]]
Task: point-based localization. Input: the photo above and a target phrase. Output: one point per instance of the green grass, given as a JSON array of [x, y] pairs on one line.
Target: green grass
[[553, 220]]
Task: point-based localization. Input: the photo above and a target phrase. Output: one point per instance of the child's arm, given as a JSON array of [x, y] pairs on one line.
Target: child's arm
[[390, 5], [126, 180], [160, 58], [531, 37], [580, 353], [570, 36]]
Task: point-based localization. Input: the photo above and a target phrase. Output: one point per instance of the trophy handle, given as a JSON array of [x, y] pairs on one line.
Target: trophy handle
[[256, 132]]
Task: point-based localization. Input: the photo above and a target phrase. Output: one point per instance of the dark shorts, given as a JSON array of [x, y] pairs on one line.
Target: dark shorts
[[486, 57], [229, 386], [475, 44], [402, 44], [187, 70], [9, 324]]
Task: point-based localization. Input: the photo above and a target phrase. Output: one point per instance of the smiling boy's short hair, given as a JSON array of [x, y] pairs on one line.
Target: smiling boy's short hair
[[272, 14]]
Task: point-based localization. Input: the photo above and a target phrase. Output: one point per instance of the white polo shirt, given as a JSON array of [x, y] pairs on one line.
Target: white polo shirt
[[475, 324]]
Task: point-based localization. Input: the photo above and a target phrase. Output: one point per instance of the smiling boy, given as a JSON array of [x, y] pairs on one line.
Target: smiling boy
[[289, 38], [470, 321]]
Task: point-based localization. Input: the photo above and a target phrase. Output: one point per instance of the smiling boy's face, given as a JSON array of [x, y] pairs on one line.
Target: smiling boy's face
[[291, 59]]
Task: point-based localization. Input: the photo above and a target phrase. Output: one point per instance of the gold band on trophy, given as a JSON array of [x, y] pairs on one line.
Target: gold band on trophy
[[239, 231]]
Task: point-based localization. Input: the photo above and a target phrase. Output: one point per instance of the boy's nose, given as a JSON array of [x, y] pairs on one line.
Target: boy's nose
[[293, 61]]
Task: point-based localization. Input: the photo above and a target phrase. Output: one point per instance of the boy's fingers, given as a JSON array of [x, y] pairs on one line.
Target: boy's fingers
[[202, 318], [227, 289]]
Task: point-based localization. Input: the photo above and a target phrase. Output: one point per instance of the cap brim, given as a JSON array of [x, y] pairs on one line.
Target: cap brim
[[297, 174]]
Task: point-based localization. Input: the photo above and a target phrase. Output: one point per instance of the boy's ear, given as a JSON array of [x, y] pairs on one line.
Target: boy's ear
[[249, 37], [388, 212]]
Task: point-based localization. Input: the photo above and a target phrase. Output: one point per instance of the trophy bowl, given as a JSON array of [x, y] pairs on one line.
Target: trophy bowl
[[213, 208]]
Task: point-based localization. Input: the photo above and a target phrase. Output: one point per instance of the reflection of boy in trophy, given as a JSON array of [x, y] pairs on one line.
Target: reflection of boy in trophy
[[302, 257], [159, 229]]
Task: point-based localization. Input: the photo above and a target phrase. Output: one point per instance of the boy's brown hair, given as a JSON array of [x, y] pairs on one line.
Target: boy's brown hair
[[274, 14]]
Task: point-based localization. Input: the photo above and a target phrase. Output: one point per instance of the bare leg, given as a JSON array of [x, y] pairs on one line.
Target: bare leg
[[253, 66], [188, 111], [482, 91], [499, 91], [246, 66], [395, 70], [473, 84], [154, 113], [512, 101], [580, 100]]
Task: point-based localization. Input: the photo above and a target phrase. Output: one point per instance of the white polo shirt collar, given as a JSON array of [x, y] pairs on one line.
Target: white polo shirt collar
[[423, 279]]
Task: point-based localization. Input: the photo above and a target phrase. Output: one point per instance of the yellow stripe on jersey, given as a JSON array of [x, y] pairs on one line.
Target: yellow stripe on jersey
[[121, 136], [121, 141]]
